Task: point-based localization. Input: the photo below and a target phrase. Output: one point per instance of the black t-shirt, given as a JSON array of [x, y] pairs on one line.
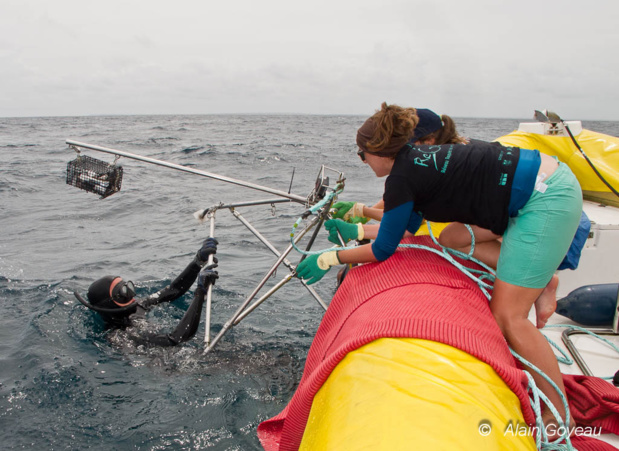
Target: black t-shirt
[[469, 183]]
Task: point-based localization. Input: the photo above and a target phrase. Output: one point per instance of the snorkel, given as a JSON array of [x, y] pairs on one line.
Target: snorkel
[[110, 296]]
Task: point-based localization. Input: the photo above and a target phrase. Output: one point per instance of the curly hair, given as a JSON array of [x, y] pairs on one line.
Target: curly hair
[[388, 130], [394, 125]]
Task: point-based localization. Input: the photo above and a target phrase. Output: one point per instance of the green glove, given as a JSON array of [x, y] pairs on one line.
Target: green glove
[[349, 211], [314, 267], [357, 220], [348, 231]]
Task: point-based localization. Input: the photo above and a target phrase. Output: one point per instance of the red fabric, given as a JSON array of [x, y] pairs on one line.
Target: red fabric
[[430, 299], [586, 443], [593, 402]]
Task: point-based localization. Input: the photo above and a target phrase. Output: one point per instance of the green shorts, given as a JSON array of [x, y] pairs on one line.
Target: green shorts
[[536, 240]]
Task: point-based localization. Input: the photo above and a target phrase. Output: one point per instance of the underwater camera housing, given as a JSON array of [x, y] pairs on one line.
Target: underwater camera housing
[[94, 176]]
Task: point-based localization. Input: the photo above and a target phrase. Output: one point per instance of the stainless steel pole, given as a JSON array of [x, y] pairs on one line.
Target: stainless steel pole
[[209, 292], [272, 248], [268, 294], [300, 199], [269, 273]]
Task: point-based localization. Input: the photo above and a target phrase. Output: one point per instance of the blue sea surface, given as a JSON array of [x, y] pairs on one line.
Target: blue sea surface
[[67, 383]]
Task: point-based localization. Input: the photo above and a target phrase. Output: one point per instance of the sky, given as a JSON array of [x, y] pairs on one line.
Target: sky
[[464, 58]]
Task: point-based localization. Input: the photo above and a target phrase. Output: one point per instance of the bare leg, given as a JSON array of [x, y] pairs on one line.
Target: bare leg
[[487, 244], [546, 303], [510, 306]]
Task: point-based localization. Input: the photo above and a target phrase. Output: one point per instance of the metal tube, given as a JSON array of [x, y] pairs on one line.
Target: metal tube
[[314, 294], [252, 307], [209, 292], [272, 248], [248, 203], [179, 167], [275, 265], [230, 322], [261, 237], [565, 337]]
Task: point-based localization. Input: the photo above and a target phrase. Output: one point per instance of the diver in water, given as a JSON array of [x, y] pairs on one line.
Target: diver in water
[[114, 299]]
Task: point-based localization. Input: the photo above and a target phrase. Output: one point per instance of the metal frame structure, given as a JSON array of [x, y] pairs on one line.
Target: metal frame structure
[[571, 347], [319, 192]]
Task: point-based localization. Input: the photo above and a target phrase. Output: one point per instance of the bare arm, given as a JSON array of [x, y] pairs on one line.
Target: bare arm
[[373, 213], [360, 254], [370, 231]]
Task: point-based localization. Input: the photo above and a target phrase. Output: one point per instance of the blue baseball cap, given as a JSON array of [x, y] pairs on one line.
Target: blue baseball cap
[[429, 122]]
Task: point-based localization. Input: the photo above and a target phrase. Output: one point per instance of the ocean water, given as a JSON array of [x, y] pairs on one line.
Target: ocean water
[[67, 383]]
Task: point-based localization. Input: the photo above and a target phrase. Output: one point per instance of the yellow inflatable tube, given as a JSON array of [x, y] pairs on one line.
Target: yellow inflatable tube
[[601, 149], [406, 393]]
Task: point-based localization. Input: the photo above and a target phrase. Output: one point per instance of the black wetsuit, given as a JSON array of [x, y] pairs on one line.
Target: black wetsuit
[[188, 325]]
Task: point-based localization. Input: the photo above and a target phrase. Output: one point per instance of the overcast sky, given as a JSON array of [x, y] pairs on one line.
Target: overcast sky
[[465, 58]]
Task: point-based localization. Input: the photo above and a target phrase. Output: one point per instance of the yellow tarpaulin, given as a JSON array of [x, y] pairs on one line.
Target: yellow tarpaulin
[[404, 394], [602, 150]]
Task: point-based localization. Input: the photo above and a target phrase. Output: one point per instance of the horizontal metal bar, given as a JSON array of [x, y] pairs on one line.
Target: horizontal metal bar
[[179, 167], [249, 203]]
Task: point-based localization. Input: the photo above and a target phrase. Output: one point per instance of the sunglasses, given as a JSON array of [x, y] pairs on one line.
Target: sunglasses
[[361, 154], [386, 154]]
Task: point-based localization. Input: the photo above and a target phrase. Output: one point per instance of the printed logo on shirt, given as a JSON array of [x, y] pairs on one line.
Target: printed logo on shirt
[[506, 156], [428, 156]]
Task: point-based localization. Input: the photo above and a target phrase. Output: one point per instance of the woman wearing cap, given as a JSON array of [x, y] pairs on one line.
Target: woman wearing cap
[[529, 198], [430, 129], [114, 299]]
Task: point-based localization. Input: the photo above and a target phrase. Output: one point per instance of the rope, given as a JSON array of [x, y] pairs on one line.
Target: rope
[[312, 210], [563, 442], [588, 332], [541, 437], [445, 252], [564, 358]]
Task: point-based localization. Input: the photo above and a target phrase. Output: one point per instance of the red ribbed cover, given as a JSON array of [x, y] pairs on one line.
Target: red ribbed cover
[[415, 293], [593, 402]]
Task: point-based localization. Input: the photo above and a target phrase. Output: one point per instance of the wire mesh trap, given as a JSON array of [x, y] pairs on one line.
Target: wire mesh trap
[[94, 176]]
